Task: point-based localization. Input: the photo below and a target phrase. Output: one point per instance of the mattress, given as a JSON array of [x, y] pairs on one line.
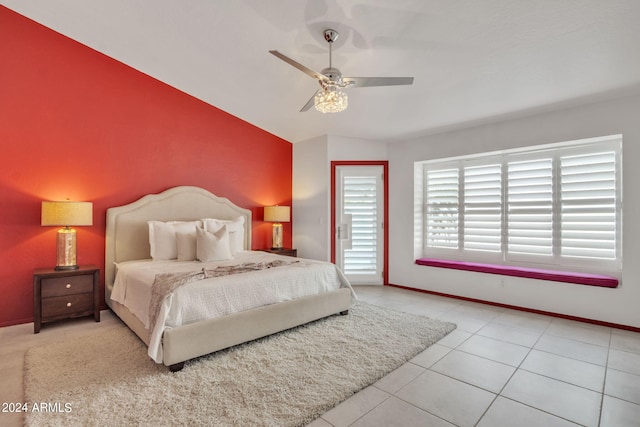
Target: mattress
[[218, 296]]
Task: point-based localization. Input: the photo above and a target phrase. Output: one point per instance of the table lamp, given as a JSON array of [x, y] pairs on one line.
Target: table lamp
[[277, 215], [66, 214]]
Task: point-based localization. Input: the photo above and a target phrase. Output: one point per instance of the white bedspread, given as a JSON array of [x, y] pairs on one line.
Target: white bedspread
[[219, 296]]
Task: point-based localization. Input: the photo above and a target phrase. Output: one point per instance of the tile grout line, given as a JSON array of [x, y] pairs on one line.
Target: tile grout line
[[604, 381]]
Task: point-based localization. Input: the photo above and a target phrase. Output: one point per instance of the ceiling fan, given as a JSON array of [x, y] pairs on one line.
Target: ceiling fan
[[330, 98]]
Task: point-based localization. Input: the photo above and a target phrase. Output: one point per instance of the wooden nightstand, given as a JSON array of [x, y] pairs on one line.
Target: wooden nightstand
[[283, 251], [63, 294]]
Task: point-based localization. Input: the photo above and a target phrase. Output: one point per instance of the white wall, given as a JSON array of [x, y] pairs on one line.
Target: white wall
[[311, 188], [621, 305], [343, 148], [310, 195]]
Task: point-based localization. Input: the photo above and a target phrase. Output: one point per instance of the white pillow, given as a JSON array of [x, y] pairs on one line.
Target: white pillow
[[186, 243], [162, 237], [235, 227], [213, 246]]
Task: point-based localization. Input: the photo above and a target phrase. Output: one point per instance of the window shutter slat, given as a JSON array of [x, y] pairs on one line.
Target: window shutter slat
[[588, 205], [483, 208], [442, 208], [530, 207]]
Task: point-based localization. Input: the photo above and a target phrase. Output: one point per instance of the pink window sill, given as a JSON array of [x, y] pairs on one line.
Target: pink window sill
[[529, 273]]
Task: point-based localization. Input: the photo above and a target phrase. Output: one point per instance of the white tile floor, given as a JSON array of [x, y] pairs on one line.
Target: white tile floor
[[500, 367]]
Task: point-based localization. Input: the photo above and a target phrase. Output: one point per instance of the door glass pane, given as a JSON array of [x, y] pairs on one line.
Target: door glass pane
[[360, 201]]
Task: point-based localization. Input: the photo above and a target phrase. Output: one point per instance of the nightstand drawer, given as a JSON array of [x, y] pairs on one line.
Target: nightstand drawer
[[59, 286], [67, 305]]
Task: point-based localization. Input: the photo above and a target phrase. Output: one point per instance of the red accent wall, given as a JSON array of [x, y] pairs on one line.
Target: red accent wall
[[77, 124]]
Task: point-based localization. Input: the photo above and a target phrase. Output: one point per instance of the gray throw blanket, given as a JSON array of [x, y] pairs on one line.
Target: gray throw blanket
[[165, 283]]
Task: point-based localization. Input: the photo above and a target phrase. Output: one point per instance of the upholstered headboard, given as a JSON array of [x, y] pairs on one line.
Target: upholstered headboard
[[127, 231]]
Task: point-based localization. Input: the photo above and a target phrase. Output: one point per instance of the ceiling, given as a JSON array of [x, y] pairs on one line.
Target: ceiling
[[474, 61]]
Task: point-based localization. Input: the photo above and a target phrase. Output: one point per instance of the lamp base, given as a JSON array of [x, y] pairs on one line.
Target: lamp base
[[276, 238], [66, 249]]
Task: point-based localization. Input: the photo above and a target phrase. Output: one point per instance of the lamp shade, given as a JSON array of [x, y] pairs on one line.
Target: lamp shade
[[277, 213], [67, 213]]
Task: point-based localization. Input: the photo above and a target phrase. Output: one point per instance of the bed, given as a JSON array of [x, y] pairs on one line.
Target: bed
[[128, 244]]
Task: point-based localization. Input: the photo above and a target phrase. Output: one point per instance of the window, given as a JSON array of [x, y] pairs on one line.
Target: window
[[482, 208], [556, 205], [442, 208], [530, 207]]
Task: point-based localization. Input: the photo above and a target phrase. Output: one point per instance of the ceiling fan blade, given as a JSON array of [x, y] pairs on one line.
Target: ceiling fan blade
[[377, 81], [309, 103], [299, 66]]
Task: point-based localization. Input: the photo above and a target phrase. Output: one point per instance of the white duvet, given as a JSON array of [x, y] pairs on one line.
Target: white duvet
[[219, 296]]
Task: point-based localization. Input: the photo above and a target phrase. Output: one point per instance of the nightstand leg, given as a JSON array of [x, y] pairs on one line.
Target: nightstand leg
[[37, 306], [96, 296]]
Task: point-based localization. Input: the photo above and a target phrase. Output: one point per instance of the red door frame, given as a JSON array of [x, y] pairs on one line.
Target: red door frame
[[385, 190]]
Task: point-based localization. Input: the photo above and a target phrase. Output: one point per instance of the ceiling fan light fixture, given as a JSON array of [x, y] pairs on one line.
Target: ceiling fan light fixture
[[331, 100]]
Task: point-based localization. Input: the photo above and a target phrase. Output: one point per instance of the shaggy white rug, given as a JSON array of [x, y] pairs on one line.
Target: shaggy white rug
[[287, 379]]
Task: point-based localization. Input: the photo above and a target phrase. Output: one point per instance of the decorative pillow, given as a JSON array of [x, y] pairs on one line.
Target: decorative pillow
[[162, 237], [213, 246], [186, 243], [235, 227]]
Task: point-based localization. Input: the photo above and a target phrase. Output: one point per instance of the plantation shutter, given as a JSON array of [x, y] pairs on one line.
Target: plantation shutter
[[556, 205], [588, 211], [442, 206], [483, 208], [360, 201], [530, 207]]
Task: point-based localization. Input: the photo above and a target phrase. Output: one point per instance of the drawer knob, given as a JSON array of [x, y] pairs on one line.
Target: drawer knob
[[68, 286], [68, 304]]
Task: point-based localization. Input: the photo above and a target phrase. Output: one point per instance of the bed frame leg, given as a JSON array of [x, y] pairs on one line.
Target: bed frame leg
[[176, 367], [344, 313]]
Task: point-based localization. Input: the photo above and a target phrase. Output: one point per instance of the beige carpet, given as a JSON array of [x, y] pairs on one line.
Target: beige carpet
[[288, 379]]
